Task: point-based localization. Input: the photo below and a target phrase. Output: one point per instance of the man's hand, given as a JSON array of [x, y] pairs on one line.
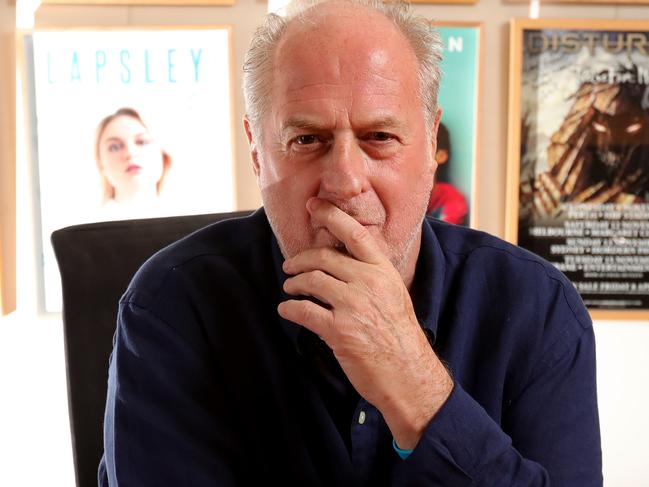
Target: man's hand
[[369, 323]]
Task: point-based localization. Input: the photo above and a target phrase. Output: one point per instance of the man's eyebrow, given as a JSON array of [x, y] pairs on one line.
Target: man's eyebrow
[[386, 122], [301, 123], [381, 122]]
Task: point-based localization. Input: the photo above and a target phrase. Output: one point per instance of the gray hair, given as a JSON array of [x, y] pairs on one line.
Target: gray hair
[[258, 64]]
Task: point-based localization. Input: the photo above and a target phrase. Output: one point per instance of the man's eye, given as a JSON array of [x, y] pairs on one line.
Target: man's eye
[[306, 139], [380, 136]]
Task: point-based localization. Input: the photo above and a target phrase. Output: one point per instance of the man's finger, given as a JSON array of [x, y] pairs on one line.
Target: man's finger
[[358, 240], [317, 284], [309, 315], [339, 265]]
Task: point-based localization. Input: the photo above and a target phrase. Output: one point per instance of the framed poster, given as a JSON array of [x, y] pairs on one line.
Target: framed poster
[[587, 2], [455, 191], [578, 158], [441, 2], [139, 2], [127, 124]]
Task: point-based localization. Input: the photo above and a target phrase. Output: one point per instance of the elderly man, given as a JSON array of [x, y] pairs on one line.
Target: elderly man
[[336, 337]]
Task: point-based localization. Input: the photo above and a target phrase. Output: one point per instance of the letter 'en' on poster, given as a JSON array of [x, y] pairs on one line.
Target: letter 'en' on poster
[[128, 123], [578, 156]]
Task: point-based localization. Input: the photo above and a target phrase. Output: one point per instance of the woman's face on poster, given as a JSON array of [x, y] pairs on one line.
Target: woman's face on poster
[[129, 157]]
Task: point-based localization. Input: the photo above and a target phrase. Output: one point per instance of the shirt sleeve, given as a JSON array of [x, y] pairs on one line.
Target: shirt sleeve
[[162, 422], [548, 435]]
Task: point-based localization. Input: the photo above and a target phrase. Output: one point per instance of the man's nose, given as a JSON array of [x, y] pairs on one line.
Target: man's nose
[[345, 171]]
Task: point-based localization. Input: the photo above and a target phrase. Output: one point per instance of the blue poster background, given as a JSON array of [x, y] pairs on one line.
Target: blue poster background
[[458, 99]]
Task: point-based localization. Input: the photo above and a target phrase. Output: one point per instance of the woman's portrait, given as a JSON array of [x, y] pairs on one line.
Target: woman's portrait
[[131, 162]]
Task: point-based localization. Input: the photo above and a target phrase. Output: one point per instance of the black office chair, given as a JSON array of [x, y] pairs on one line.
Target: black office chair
[[97, 261]]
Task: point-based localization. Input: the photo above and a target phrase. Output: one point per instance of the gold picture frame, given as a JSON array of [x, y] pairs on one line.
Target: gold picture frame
[[577, 192], [585, 2], [445, 2], [184, 3], [7, 173]]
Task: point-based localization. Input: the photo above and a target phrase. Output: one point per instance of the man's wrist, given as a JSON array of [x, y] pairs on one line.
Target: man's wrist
[[406, 433], [410, 418]]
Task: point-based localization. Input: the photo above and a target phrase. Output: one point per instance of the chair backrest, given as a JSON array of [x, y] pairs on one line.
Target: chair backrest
[[96, 262]]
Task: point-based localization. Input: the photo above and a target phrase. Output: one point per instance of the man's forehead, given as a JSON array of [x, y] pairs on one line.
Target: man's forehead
[[329, 105], [312, 86], [339, 67]]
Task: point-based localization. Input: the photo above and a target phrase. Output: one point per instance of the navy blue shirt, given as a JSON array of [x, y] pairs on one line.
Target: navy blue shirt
[[209, 386]]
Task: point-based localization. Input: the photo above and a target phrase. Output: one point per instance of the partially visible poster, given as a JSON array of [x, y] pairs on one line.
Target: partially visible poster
[[454, 194], [583, 157], [183, 3], [130, 124]]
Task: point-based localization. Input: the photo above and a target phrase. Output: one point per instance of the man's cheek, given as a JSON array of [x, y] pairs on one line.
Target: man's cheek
[[324, 238]]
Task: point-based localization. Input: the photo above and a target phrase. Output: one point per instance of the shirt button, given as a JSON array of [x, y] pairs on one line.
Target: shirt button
[[361, 417]]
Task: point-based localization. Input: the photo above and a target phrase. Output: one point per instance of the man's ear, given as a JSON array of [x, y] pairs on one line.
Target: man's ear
[[441, 157], [254, 155], [435, 128], [433, 138]]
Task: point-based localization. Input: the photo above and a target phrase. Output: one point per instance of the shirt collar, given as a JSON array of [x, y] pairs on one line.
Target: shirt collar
[[428, 284], [290, 328], [426, 289]]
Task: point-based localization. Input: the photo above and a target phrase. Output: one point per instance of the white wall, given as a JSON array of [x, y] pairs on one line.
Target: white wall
[[623, 390], [34, 439]]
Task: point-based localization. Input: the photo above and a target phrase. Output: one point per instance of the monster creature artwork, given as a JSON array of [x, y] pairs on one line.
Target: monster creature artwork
[[600, 154]]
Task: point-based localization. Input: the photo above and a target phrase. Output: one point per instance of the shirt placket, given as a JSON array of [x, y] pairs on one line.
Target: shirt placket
[[365, 429]]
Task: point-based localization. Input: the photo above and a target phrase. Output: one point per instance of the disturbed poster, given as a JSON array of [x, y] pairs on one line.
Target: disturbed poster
[[584, 160]]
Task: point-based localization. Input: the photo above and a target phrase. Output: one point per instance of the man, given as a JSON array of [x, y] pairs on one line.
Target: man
[[336, 337]]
